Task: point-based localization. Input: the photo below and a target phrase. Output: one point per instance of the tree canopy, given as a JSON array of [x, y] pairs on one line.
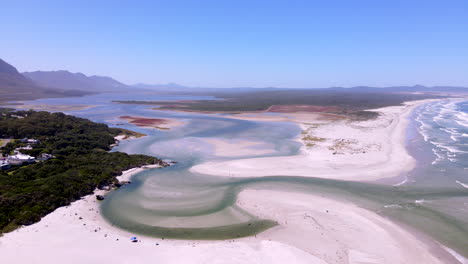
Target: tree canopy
[[82, 164]]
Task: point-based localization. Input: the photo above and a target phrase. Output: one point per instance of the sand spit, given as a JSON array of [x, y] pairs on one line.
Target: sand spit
[[336, 149], [336, 231], [238, 148], [158, 123]]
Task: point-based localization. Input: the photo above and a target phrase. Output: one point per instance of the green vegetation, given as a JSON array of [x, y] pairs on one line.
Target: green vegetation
[[129, 133], [352, 104], [5, 110], [310, 140], [81, 164]]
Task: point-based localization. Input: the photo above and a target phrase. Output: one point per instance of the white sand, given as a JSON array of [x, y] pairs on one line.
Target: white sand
[[124, 137], [369, 151], [298, 117], [307, 233], [165, 124], [239, 148], [128, 174], [334, 231]]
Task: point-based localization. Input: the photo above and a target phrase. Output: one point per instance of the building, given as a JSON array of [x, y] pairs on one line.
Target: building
[[33, 141], [28, 147], [4, 165], [30, 141], [19, 159], [44, 157]]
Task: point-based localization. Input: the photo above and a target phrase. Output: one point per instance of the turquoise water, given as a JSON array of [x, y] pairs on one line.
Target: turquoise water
[[175, 203]]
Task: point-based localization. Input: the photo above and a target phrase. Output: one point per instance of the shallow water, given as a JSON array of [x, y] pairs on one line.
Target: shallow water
[[175, 203]]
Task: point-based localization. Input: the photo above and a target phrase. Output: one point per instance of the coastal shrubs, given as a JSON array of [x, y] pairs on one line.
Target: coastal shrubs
[[341, 102], [311, 141], [81, 164]]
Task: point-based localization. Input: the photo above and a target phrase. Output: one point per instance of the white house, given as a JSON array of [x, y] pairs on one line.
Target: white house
[[19, 159], [18, 150], [30, 140], [4, 165], [44, 157], [33, 141]]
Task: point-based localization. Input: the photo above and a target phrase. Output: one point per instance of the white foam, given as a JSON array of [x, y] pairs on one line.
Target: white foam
[[462, 116], [438, 117], [462, 184], [445, 130], [424, 132], [453, 137], [447, 147], [402, 182], [420, 201], [454, 133], [462, 123], [449, 130], [393, 206], [459, 257], [439, 156]]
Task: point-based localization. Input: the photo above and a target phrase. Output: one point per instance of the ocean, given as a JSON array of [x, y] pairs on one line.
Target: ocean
[[444, 128]]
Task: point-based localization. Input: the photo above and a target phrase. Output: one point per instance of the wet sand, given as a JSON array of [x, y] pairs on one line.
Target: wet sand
[[159, 123]]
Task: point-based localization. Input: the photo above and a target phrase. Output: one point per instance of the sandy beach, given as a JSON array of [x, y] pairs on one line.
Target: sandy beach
[[311, 229], [336, 149], [237, 148], [158, 123]]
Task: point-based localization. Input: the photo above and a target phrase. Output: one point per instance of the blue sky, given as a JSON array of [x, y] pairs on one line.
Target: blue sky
[[243, 43]]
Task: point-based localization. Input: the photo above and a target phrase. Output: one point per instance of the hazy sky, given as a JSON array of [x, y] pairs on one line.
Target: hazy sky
[[224, 43]]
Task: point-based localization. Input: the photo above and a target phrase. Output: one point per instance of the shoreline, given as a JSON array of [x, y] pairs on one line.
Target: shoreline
[[325, 226], [22, 105], [370, 151], [128, 174], [312, 229]]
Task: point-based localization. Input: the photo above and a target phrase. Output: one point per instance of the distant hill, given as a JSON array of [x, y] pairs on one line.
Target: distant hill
[[14, 86], [66, 80], [173, 87], [181, 89], [404, 89], [164, 87]]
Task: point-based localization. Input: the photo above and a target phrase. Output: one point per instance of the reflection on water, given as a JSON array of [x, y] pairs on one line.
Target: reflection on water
[[173, 202]]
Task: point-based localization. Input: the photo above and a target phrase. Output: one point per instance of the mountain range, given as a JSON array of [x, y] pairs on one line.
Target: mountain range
[[76, 81], [43, 84], [15, 86]]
